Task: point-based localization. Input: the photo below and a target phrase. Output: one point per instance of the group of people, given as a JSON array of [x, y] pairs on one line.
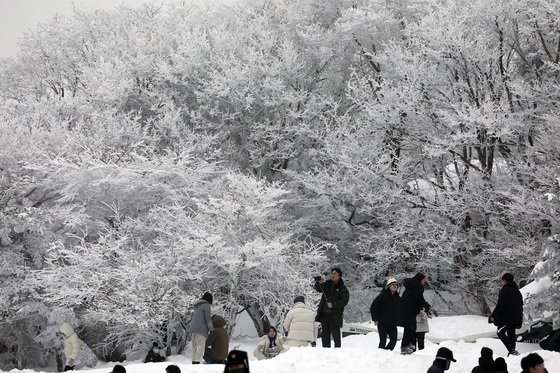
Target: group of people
[[210, 340], [411, 311], [389, 309], [532, 363]]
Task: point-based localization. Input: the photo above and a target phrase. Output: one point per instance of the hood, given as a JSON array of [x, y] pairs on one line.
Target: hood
[[66, 329], [218, 321], [199, 303]]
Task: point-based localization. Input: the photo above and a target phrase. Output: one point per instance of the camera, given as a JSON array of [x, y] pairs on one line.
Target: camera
[[317, 278]]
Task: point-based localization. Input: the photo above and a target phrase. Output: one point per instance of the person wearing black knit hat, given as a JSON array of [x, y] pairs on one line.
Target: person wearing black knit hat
[[486, 362], [500, 365], [412, 301], [508, 313], [201, 326]]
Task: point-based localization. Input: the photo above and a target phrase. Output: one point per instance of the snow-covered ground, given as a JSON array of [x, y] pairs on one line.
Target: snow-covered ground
[[359, 353]]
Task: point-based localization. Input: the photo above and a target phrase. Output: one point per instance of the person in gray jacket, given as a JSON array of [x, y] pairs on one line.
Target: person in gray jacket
[[201, 326]]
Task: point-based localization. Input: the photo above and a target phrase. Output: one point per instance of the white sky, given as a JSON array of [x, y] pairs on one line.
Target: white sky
[[17, 16]]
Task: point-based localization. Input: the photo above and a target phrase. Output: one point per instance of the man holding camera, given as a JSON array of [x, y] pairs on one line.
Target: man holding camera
[[331, 307]]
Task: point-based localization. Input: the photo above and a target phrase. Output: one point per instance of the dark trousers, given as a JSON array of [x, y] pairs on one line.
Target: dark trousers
[[419, 339], [328, 328], [408, 337], [384, 331], [210, 358], [506, 334]]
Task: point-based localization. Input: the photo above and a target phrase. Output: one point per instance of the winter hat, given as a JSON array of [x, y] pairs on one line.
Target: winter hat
[[299, 298], [271, 327], [486, 358], [236, 358], [391, 281], [486, 352], [507, 277], [445, 354], [500, 365], [118, 369], [338, 270], [530, 361], [208, 297]]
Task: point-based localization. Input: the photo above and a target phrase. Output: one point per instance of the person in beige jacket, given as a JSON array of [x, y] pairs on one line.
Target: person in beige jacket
[[72, 345], [300, 325], [270, 345]]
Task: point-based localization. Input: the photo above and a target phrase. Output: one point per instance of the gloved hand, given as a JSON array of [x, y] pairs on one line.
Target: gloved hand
[[490, 320]]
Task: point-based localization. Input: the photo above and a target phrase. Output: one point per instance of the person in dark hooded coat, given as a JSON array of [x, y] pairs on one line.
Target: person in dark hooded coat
[[485, 361], [508, 313], [412, 301], [383, 311], [217, 343]]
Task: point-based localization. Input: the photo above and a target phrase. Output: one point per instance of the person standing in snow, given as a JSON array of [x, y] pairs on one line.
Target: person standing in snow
[[299, 324], [485, 361], [72, 346], [201, 326], [508, 313], [383, 311], [412, 301], [443, 360], [422, 327], [331, 307], [217, 343], [270, 345]]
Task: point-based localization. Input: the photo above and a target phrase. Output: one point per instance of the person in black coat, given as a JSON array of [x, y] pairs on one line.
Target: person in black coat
[[443, 360], [383, 311], [331, 307], [485, 361], [412, 301], [508, 313], [154, 355]]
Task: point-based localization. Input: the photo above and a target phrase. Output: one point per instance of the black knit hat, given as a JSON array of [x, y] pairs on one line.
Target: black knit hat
[[118, 369], [208, 297], [299, 298], [237, 357], [500, 365], [507, 277], [486, 352]]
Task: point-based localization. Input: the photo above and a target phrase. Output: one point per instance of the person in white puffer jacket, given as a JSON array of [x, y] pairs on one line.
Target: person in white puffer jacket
[[300, 324], [72, 346]]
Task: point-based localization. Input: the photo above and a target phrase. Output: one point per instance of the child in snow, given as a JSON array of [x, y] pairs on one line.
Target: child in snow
[[422, 328], [270, 345]]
